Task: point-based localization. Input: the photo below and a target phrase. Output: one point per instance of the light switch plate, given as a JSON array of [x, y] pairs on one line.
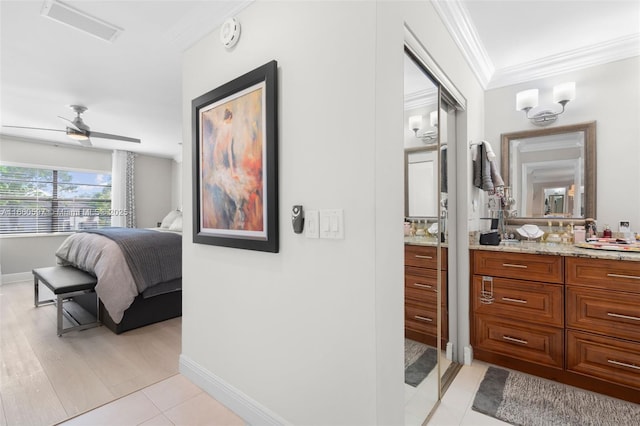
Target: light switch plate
[[312, 225], [332, 223]]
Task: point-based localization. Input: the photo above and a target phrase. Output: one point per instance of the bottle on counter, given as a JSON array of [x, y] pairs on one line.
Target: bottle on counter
[[590, 228], [607, 232], [407, 228]]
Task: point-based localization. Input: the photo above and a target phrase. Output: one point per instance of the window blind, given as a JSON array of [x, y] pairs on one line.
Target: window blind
[[39, 200]]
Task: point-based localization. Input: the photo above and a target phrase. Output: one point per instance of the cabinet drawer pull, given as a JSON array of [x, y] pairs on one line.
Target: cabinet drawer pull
[[633, 277], [513, 339], [422, 285], [514, 265], [611, 314], [418, 317], [422, 256], [623, 364], [508, 299]]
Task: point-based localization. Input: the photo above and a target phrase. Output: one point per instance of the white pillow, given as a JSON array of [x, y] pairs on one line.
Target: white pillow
[[169, 218], [176, 225]]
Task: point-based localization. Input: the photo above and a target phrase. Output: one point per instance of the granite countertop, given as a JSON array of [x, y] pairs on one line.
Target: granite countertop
[[421, 241], [535, 248], [558, 249]]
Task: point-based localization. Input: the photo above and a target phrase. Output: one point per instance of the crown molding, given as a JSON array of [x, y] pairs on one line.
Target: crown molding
[[421, 98], [573, 60], [457, 21]]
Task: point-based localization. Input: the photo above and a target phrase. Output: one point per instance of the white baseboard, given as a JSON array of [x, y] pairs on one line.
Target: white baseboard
[[241, 404], [468, 355], [449, 351], [14, 278]]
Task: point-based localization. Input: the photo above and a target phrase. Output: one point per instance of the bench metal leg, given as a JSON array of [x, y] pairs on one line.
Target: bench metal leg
[[36, 294], [61, 312]]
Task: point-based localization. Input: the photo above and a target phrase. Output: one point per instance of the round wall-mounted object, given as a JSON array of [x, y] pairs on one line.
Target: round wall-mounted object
[[230, 32]]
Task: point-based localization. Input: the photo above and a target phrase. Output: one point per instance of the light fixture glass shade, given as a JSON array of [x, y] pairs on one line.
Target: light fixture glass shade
[[433, 118], [564, 92], [77, 136], [526, 99], [415, 122]]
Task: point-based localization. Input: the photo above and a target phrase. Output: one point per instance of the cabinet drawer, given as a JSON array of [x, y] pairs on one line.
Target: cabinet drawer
[[424, 256], [521, 300], [526, 342], [623, 275], [603, 311], [532, 267], [423, 320], [605, 358], [424, 286]]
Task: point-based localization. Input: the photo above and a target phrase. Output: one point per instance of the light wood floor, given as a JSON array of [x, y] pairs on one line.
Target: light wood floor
[[45, 379]]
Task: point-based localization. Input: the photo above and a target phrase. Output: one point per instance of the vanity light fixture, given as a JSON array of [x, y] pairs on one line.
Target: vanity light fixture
[[415, 123], [528, 99]]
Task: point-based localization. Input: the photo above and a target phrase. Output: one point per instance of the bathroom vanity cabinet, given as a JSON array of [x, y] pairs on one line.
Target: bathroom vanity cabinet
[[603, 319], [420, 294], [522, 312], [571, 319]]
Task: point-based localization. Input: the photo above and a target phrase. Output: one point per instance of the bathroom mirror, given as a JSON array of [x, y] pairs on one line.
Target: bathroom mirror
[[430, 284], [421, 182], [551, 172]]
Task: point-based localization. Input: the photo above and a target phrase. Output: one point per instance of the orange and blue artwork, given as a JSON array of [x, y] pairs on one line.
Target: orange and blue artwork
[[232, 157]]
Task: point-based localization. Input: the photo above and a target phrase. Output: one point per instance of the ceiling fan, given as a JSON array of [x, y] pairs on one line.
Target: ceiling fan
[[78, 130]]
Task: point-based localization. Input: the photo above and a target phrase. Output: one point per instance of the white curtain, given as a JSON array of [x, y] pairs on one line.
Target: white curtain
[[122, 189]]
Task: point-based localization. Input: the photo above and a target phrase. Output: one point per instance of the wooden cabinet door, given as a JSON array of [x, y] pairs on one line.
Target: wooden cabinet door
[[612, 360], [611, 313], [530, 267], [617, 275], [425, 256], [524, 341], [520, 300]]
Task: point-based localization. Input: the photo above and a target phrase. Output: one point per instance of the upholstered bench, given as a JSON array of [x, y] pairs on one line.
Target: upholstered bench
[[65, 282]]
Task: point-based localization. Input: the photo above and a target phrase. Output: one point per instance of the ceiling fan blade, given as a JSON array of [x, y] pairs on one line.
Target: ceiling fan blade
[[116, 137], [34, 128], [71, 124]]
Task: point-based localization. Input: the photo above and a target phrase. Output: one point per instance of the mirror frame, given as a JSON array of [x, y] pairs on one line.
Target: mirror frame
[[407, 152], [589, 130]]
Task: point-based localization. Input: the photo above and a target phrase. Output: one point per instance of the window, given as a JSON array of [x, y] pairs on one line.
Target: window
[[39, 200]]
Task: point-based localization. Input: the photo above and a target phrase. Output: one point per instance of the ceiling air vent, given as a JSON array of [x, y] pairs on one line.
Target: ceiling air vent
[[79, 20]]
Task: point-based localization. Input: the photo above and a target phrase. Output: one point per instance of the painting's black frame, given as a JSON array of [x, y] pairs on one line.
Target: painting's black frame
[[267, 73]]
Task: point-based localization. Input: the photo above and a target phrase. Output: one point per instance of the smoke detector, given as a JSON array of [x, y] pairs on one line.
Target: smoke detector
[[230, 32]]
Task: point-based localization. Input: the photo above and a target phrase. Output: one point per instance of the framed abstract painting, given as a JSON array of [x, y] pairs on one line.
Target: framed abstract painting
[[235, 163]]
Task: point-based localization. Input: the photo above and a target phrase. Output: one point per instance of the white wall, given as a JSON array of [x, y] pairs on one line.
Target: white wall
[[153, 189], [314, 334], [608, 94], [20, 254], [176, 184]]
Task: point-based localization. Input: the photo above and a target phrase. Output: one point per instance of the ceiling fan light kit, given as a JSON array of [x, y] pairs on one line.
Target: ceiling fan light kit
[[79, 131]]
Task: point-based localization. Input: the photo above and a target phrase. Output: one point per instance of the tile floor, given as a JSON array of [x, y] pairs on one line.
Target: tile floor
[[455, 406], [177, 401], [173, 401]]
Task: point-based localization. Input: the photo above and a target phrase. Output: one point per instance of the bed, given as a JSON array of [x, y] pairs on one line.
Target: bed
[[139, 272]]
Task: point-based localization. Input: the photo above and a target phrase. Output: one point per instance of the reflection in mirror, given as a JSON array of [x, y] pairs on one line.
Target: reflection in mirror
[[421, 177], [430, 182], [551, 172], [421, 285]]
